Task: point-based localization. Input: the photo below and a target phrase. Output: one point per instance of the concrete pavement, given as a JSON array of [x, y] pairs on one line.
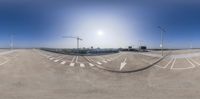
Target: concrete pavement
[[34, 74]]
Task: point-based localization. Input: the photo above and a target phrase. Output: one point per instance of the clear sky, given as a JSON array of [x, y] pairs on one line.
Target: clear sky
[[100, 23]]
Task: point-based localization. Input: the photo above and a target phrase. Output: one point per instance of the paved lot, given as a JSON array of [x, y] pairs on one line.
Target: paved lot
[[36, 74]]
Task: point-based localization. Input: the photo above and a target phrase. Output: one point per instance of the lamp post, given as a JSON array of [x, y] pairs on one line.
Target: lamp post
[[11, 41], [162, 31]]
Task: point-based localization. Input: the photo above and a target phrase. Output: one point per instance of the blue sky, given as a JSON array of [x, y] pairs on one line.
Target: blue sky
[[121, 23]]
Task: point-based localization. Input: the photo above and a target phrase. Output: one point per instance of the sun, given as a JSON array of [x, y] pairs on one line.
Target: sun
[[100, 33]]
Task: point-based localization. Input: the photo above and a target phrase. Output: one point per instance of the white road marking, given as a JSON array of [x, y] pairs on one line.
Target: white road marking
[[6, 60], [76, 59], [104, 61], [173, 63], [56, 60], [51, 58], [123, 64], [72, 64], [63, 62], [190, 63], [116, 57], [168, 63], [195, 62], [91, 64], [99, 63], [82, 65], [89, 59], [61, 57], [186, 67], [108, 60], [73, 59]]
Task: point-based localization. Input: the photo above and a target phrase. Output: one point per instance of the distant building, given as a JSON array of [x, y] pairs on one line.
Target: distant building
[[130, 48], [143, 48]]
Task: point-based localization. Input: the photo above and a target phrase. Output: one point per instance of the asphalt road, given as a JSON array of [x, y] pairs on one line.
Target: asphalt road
[[36, 74]]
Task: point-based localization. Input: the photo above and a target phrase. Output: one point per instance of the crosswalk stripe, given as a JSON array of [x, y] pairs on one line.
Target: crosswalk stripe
[[104, 61], [82, 65], [56, 60], [72, 64], [108, 60], [99, 63], [63, 62], [91, 64], [51, 58]]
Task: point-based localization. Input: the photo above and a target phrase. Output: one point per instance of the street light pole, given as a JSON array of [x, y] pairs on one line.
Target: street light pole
[[11, 41], [162, 31], [162, 42]]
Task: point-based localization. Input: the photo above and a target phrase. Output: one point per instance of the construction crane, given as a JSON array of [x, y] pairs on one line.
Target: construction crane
[[77, 38]]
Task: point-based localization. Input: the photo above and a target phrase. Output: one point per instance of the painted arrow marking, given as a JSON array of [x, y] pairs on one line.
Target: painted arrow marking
[[123, 64]]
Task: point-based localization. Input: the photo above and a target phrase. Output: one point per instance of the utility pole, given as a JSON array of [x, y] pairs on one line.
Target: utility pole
[[11, 41], [162, 31], [191, 45]]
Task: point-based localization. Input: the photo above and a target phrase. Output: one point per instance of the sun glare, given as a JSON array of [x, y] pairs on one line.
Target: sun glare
[[100, 33]]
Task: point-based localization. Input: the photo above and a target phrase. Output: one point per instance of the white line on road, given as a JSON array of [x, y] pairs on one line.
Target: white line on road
[[108, 60], [63, 62], [72, 64], [168, 63], [51, 58], [186, 67], [123, 64], [6, 60], [99, 63], [190, 63], [173, 63], [76, 59], [105, 61], [195, 62], [56, 60], [91, 64], [82, 65], [73, 59]]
